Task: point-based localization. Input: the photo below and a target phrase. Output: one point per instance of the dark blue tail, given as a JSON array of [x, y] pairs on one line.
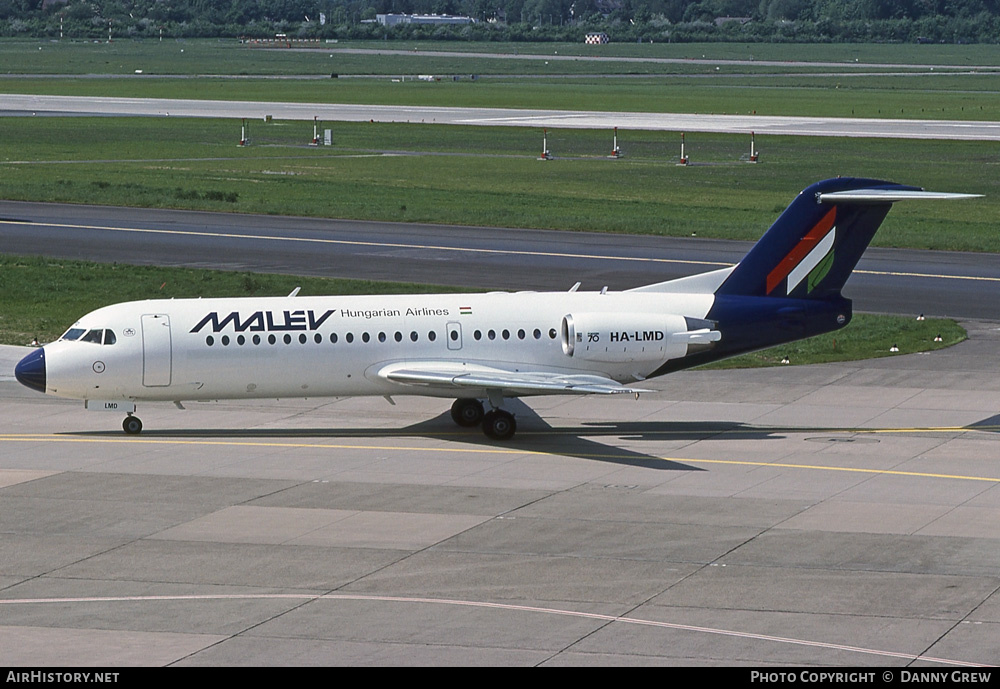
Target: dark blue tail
[[811, 249], [788, 286]]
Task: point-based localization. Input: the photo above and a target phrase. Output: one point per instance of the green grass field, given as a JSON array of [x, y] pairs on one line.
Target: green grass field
[[868, 336], [490, 176]]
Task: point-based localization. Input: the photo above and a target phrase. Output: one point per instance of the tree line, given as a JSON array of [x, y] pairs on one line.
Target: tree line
[[947, 21]]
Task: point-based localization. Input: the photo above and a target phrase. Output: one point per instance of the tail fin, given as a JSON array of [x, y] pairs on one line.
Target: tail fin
[[813, 246]]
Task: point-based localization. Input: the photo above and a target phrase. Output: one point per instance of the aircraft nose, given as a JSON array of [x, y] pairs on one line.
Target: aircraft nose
[[30, 371]]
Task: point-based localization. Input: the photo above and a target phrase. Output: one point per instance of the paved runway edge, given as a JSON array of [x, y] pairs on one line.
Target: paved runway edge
[[968, 130]]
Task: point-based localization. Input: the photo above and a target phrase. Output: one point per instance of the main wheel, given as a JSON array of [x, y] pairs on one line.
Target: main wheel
[[499, 425], [467, 412], [132, 425]]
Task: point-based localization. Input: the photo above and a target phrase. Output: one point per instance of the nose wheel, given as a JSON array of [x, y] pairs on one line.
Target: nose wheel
[[132, 425]]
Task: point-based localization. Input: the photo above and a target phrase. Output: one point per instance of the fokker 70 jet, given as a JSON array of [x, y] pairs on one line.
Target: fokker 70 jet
[[475, 348]]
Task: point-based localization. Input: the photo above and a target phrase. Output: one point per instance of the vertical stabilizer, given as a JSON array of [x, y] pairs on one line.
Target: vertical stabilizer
[[811, 249]]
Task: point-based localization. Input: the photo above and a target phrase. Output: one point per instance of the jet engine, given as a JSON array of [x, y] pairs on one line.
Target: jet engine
[[627, 337]]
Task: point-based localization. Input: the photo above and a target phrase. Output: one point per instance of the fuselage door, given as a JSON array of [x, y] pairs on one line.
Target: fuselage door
[[156, 350], [453, 331]]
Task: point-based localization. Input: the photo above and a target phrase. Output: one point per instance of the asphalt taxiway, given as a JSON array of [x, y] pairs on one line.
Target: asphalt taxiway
[[939, 283], [822, 515]]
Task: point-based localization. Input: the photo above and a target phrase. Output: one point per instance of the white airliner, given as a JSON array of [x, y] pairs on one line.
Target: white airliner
[[474, 347]]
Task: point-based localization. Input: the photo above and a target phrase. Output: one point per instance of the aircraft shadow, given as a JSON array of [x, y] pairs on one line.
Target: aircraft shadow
[[534, 434], [991, 424]]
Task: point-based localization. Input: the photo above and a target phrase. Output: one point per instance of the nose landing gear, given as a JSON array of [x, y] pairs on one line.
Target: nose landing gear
[[132, 425]]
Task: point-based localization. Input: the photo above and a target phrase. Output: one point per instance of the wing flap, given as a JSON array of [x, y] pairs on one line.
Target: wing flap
[[444, 375]]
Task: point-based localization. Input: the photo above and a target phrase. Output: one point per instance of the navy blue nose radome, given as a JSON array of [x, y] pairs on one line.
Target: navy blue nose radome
[[30, 371]]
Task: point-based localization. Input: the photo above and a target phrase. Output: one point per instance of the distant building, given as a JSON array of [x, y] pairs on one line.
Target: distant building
[[596, 38], [393, 19], [719, 21]]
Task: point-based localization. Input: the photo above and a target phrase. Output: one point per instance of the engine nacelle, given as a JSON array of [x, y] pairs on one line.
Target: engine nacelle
[[627, 337]]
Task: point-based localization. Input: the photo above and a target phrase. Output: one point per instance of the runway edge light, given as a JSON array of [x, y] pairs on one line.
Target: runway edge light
[[546, 155], [615, 151]]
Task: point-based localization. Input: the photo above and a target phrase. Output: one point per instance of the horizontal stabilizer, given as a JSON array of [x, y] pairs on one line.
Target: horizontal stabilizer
[[889, 196]]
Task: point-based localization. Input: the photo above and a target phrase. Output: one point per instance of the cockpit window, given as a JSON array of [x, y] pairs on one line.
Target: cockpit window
[[73, 334], [97, 336]]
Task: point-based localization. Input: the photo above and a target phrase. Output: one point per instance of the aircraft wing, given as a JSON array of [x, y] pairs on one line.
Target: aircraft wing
[[455, 376]]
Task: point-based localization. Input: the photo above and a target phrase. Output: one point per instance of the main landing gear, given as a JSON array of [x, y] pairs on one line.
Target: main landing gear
[[497, 424]]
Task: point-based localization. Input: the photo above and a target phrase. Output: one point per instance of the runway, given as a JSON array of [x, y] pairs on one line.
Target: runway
[[824, 515], [935, 283], [969, 130]]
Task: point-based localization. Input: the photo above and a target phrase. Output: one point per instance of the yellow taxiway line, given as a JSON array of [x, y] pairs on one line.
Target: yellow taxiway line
[[497, 451]]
